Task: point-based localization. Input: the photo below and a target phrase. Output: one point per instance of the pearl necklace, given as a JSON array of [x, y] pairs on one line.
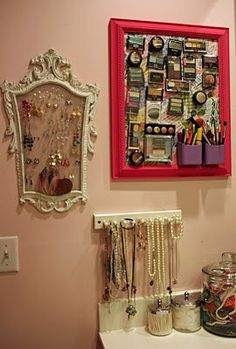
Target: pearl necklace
[[176, 227], [160, 255], [156, 253], [151, 250], [158, 250], [163, 253]]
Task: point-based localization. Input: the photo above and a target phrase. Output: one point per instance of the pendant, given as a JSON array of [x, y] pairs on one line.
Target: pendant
[[131, 310]]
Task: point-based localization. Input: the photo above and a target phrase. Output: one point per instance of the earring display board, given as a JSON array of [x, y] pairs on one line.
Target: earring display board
[[51, 118], [169, 100]]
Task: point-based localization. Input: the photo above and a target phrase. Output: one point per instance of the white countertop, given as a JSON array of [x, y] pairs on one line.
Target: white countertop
[[139, 338]]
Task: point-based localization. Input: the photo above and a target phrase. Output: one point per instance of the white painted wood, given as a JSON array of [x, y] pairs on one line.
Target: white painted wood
[[100, 218]]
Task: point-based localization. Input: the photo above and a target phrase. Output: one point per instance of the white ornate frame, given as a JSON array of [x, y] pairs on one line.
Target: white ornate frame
[[50, 68]]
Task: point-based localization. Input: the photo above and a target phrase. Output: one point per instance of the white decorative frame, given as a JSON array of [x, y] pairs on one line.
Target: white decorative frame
[[50, 68]]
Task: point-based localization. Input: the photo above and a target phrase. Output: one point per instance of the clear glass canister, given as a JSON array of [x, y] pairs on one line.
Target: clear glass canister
[[218, 309], [159, 319], [186, 312]]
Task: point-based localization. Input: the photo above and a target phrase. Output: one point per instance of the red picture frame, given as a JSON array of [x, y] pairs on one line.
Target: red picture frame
[[118, 29]]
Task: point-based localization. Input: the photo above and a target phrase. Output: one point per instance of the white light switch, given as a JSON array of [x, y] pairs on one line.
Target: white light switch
[[9, 258]]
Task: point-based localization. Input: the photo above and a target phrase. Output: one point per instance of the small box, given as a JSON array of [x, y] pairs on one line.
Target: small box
[[213, 154], [189, 154]]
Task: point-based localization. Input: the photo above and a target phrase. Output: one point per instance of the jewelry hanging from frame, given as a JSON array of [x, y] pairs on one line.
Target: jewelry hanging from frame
[[51, 121]]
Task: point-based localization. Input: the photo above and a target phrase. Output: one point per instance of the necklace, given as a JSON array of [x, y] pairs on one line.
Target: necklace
[[160, 255], [114, 264], [141, 235], [176, 232], [107, 261], [176, 227], [158, 251], [129, 226], [162, 262], [152, 268]]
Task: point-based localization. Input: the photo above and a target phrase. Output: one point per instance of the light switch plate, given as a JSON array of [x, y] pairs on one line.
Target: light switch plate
[[9, 257]]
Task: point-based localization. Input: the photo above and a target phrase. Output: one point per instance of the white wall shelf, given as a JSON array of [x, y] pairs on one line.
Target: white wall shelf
[[139, 338]]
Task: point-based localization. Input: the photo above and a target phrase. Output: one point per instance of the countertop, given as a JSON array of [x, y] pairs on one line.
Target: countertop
[[139, 338]]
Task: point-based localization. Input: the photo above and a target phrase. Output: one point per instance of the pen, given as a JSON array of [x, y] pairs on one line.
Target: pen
[[215, 133], [183, 135], [224, 132]]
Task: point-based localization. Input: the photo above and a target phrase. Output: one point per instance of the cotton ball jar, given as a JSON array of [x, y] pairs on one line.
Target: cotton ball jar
[[186, 312]]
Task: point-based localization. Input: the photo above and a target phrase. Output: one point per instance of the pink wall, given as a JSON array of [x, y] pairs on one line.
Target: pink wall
[[52, 302]]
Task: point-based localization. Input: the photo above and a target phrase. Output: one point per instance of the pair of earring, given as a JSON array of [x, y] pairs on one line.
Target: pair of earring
[[28, 142], [34, 161], [54, 105], [38, 112], [28, 180], [75, 114]]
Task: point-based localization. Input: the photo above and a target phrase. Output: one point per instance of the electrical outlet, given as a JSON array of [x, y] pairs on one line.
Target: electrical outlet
[[9, 259]]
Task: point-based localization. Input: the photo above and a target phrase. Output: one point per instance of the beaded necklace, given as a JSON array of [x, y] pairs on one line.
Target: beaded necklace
[[151, 250]]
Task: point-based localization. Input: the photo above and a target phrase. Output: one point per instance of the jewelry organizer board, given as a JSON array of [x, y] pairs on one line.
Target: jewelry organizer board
[[132, 127], [51, 121], [55, 127]]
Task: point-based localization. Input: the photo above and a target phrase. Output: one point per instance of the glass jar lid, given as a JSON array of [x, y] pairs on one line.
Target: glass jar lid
[[187, 299], [226, 268]]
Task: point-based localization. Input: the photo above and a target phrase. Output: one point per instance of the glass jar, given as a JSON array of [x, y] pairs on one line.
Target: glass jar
[[218, 309], [186, 312], [159, 319]]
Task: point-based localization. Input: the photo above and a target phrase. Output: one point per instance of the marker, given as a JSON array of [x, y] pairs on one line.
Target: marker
[[199, 136], [190, 137]]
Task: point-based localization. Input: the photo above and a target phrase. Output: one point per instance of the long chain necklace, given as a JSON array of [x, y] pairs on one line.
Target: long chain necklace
[[176, 232], [114, 262], [158, 251], [152, 267], [107, 261], [160, 255], [128, 226], [163, 254]]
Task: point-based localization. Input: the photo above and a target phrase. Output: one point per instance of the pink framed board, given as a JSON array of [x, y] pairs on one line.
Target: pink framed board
[[169, 100]]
